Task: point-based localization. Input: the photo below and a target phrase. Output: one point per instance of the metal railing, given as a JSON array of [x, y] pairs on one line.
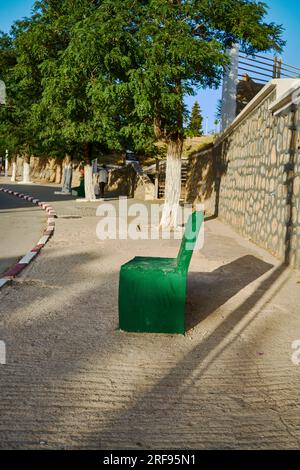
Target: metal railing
[[261, 69]]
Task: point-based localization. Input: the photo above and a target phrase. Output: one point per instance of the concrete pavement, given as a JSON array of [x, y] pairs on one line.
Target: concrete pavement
[[72, 380]]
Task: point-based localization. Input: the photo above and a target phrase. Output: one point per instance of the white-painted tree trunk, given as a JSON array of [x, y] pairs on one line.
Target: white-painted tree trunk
[[26, 172], [6, 164], [13, 171], [88, 183], [172, 185]]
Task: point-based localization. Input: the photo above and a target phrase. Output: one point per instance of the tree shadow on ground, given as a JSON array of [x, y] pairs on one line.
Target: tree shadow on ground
[[53, 341], [59, 342], [153, 418], [9, 203], [207, 291], [7, 263], [43, 193], [200, 183]]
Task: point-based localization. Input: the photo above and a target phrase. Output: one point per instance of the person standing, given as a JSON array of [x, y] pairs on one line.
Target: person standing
[[103, 178]]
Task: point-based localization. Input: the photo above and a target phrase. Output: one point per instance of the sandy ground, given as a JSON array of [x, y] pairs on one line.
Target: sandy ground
[[73, 381]]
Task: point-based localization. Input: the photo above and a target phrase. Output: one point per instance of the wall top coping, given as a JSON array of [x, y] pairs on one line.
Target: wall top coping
[[285, 87], [285, 99]]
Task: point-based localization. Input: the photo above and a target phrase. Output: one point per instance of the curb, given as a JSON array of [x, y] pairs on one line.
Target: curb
[[31, 255]]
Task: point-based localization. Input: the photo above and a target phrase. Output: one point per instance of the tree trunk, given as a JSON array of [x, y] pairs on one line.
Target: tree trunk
[[88, 183], [14, 169], [26, 170], [6, 164], [173, 168], [67, 178], [88, 174], [173, 183]]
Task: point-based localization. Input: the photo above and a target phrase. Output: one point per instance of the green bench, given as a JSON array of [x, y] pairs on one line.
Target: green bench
[[152, 291]]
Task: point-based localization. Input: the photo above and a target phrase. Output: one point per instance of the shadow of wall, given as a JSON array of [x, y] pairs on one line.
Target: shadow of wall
[[201, 176], [205, 171]]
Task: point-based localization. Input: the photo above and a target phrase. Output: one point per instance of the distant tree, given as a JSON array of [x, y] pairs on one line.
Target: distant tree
[[195, 124], [216, 124]]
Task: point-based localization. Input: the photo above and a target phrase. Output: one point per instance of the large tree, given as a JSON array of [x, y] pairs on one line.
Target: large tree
[[62, 114], [48, 105], [81, 102], [181, 46], [155, 52]]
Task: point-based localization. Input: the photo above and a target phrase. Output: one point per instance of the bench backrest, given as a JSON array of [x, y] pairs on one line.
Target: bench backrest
[[189, 239]]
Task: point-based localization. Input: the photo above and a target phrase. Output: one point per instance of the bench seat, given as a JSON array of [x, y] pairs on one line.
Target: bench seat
[[152, 291]]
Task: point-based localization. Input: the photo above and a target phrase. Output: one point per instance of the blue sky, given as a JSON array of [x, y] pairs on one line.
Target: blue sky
[[286, 12]]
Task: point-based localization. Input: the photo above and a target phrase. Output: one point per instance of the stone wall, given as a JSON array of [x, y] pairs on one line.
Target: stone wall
[[122, 181], [41, 169], [257, 174], [46, 170]]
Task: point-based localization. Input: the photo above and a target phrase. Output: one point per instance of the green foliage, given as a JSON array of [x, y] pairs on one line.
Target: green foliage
[[114, 73], [195, 124]]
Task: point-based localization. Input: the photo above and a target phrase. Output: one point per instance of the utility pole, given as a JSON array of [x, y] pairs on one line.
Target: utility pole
[[230, 82]]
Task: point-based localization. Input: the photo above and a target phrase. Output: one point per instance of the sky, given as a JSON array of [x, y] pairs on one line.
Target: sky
[[286, 12]]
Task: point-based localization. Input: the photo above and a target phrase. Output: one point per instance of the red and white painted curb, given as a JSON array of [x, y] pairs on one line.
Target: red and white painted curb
[[48, 232]]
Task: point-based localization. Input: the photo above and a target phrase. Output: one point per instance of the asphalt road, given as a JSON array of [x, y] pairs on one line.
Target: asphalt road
[[21, 225]]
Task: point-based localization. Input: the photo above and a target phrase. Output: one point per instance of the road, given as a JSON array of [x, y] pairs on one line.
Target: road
[[21, 225]]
